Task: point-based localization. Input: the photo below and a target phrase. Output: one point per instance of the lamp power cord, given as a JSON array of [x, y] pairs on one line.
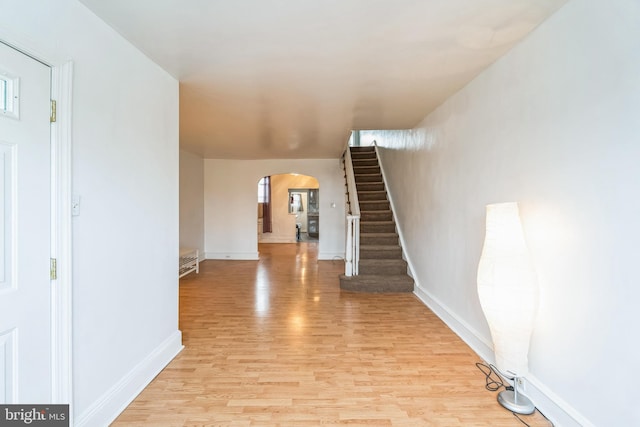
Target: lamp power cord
[[495, 380]]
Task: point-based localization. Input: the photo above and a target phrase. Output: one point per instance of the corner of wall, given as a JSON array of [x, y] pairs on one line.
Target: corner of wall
[[555, 409], [107, 408]]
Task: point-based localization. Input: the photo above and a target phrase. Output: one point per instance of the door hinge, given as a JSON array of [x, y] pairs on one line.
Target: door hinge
[[53, 269], [53, 111]]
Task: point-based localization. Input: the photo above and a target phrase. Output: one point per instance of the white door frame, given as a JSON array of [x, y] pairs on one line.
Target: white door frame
[[61, 246], [61, 249]]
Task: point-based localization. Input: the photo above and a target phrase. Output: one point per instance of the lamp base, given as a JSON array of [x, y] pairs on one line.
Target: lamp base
[[519, 403]]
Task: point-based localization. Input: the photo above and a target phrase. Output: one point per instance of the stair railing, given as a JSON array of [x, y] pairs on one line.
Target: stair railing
[[352, 252]]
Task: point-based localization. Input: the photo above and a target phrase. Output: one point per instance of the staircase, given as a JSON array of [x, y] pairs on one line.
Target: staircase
[[381, 267]]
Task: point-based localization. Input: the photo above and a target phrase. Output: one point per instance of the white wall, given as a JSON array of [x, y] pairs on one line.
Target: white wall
[[125, 168], [192, 201], [553, 125], [230, 190]]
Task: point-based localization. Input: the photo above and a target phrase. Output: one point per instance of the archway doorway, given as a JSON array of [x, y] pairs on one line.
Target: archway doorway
[[288, 210]]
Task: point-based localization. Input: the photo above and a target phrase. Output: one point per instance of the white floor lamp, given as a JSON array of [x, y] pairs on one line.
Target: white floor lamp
[[508, 295]]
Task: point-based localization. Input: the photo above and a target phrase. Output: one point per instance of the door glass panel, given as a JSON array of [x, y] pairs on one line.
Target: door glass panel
[[9, 95]]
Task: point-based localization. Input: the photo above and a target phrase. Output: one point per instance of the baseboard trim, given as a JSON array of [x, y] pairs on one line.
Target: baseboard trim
[[278, 240], [469, 335], [553, 407], [107, 408], [240, 256], [331, 256]]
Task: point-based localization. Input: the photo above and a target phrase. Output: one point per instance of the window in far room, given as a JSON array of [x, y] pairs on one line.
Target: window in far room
[[295, 202], [264, 204], [262, 190]]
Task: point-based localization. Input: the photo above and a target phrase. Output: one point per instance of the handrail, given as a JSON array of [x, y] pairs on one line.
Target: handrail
[[352, 252]]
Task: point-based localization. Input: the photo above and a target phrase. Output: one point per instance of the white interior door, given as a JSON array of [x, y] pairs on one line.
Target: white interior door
[[25, 296]]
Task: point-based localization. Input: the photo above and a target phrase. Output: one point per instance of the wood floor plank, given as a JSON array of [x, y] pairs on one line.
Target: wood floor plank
[[275, 342]]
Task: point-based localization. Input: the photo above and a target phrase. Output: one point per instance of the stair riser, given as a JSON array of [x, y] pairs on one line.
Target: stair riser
[[360, 150], [365, 162], [374, 206], [370, 186], [357, 170], [378, 240], [363, 158], [372, 227], [355, 285], [395, 253], [368, 178], [382, 270], [376, 216], [377, 196]]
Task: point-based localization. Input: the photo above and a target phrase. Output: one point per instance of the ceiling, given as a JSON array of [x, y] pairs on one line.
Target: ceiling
[[291, 78]]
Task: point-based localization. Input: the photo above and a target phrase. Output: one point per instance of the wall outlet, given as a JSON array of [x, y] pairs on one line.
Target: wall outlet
[[520, 381], [75, 205]]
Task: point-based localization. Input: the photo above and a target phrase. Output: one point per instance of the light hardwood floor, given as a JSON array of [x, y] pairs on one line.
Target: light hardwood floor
[[276, 343]]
